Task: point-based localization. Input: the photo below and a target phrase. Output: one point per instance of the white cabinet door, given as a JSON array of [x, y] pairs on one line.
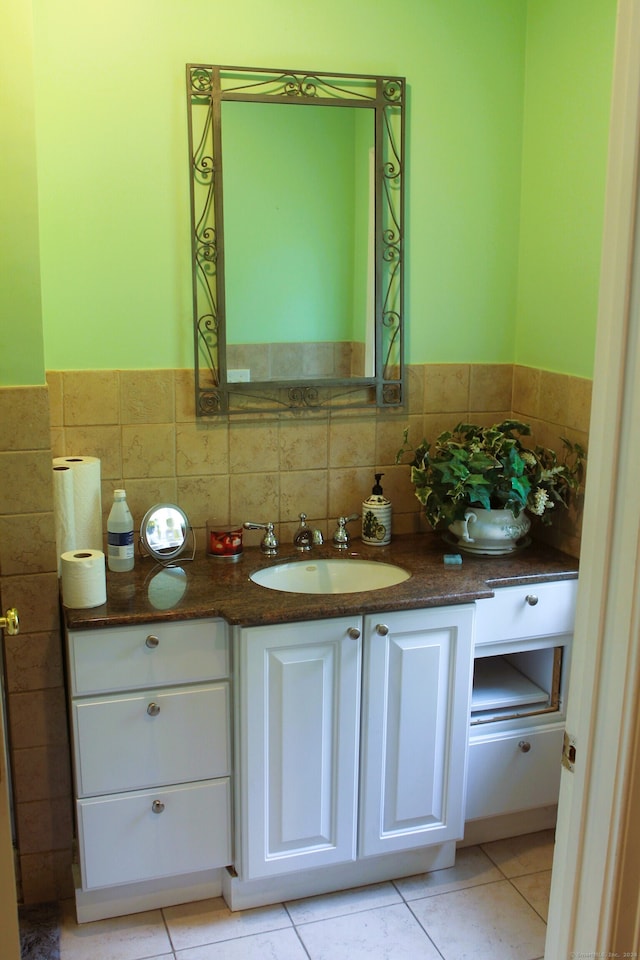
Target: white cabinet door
[[299, 727], [416, 692]]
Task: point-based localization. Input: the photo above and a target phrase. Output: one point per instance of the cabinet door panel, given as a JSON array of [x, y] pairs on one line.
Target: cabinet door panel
[[298, 727], [417, 681]]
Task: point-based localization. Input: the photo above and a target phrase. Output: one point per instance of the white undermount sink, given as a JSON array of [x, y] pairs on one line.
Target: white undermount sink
[[329, 576]]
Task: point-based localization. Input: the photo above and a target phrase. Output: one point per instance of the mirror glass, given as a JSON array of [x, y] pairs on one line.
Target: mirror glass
[[297, 238], [312, 222], [164, 532]]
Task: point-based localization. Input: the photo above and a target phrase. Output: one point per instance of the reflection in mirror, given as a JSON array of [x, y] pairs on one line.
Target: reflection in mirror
[[312, 223], [165, 533], [297, 238], [167, 588]]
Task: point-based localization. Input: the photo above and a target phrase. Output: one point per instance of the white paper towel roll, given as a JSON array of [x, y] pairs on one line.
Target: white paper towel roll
[[63, 510], [84, 581], [87, 502]]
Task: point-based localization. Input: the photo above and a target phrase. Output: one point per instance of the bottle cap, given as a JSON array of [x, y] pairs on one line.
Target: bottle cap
[[119, 495]]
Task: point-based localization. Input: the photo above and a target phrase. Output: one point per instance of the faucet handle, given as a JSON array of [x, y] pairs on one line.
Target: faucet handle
[[269, 543], [341, 536], [303, 537]]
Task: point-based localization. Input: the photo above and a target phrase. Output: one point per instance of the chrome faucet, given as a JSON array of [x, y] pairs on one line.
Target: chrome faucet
[[341, 536], [304, 537], [269, 544]]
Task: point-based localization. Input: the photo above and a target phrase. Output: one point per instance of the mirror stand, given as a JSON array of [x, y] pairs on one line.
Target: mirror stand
[[166, 535]]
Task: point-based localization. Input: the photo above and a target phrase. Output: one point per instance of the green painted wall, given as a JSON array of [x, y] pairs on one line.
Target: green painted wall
[[566, 118], [22, 353], [113, 160], [112, 166]]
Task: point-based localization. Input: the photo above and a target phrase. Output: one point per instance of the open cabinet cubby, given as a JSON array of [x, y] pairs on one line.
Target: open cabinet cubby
[[516, 684]]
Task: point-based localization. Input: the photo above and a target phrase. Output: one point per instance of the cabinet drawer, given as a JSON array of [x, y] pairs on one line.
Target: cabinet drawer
[[509, 615], [122, 840], [137, 740], [501, 778], [129, 658]]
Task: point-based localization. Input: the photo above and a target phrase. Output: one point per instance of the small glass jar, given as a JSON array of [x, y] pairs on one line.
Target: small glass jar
[[224, 541]]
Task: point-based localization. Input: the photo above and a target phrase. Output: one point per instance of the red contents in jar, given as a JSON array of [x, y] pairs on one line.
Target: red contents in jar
[[225, 543]]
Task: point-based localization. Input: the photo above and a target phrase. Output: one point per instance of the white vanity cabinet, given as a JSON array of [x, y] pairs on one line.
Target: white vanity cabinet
[[523, 637], [352, 737], [151, 730]]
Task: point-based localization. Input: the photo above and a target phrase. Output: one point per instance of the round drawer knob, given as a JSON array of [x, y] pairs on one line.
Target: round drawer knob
[[525, 746], [531, 599], [354, 633], [152, 641], [157, 806], [153, 709], [382, 630]]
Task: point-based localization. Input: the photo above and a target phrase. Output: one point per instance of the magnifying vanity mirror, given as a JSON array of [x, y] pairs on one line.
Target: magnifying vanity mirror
[[165, 534], [297, 238]]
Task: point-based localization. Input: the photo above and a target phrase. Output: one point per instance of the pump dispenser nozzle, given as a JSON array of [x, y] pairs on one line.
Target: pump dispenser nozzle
[[377, 489]]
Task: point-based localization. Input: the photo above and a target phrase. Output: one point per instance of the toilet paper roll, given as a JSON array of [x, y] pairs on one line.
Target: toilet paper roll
[[84, 580], [87, 501], [63, 510]]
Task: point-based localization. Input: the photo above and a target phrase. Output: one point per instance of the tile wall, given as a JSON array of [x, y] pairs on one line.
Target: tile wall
[[33, 663], [141, 426]]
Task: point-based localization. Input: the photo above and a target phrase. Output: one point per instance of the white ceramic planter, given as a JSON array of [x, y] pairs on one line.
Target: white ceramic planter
[[492, 532]]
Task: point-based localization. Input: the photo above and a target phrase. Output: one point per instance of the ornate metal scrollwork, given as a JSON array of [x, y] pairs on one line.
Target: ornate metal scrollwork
[[207, 87]]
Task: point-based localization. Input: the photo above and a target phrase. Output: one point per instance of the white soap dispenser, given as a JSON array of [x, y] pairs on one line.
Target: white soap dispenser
[[376, 516]]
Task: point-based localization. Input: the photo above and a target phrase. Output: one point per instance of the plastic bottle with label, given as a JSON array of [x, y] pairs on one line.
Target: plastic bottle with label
[[120, 552]]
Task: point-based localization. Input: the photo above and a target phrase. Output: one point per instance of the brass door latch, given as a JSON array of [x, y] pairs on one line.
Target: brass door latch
[[10, 622]]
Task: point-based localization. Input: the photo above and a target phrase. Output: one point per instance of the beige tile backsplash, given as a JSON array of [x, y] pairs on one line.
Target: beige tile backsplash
[[141, 426]]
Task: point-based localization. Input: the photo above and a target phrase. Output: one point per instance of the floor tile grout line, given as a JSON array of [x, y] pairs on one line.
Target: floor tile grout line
[[426, 932], [295, 929], [456, 889], [301, 941], [527, 901], [350, 913], [166, 926]]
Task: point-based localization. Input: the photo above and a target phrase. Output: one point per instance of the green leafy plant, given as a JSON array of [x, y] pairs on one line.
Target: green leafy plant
[[491, 468]]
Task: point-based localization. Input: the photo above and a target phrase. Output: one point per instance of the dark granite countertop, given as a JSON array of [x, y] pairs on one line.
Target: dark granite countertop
[[207, 587]]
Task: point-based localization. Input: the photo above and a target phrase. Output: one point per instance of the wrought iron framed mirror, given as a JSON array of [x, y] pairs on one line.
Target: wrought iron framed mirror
[[297, 239]]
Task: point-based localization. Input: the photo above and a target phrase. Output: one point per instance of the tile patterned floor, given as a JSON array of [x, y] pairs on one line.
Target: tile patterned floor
[[492, 905]]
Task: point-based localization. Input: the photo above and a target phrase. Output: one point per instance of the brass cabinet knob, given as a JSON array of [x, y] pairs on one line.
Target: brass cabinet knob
[[152, 641], [153, 709], [525, 746], [382, 630], [157, 806], [354, 633], [10, 622], [531, 599]]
